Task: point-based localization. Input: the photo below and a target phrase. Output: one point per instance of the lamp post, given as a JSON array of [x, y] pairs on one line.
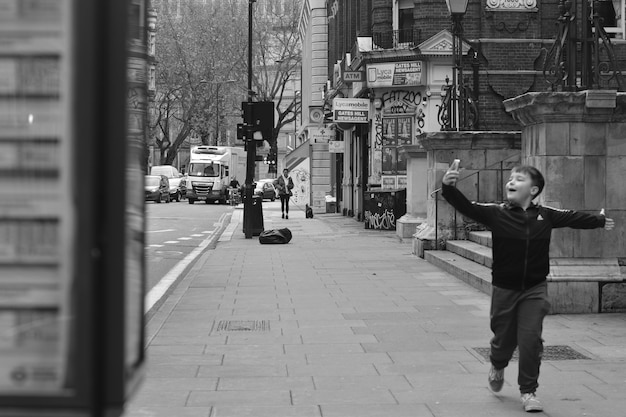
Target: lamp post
[[295, 115], [217, 108], [251, 148], [457, 114]]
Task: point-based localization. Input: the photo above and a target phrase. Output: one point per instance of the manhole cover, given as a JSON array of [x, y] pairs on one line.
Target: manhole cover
[[243, 326], [550, 353]]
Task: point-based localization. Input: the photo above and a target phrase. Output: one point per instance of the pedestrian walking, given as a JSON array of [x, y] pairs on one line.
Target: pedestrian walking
[[284, 185], [521, 233]]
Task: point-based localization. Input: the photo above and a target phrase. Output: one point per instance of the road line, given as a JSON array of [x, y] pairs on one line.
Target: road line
[[161, 231], [184, 238], [171, 241], [160, 289]]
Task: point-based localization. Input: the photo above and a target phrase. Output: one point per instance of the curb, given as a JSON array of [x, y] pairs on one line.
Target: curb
[[158, 294]]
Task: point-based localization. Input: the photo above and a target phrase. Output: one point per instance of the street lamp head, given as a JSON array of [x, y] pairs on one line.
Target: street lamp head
[[457, 7]]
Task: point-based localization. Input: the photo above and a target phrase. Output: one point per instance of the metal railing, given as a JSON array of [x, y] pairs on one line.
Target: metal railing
[[467, 111], [582, 61], [499, 197], [396, 39]]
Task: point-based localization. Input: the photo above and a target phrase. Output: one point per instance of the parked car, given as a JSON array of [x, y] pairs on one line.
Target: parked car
[[265, 188], [178, 189], [157, 188]]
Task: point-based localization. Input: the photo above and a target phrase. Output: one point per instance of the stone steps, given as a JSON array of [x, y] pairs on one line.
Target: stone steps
[[474, 274], [581, 285]]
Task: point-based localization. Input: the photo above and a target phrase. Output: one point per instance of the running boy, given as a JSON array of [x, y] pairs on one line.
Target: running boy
[[521, 233]]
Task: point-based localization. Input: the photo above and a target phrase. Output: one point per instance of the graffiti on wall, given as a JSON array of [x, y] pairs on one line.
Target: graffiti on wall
[[302, 185], [380, 221], [400, 101], [378, 128], [375, 168], [380, 211]]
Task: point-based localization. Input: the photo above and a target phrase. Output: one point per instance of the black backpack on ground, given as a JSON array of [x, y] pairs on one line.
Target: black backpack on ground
[[275, 236]]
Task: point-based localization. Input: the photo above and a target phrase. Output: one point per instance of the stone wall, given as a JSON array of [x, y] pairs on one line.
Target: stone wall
[[581, 152], [486, 158]]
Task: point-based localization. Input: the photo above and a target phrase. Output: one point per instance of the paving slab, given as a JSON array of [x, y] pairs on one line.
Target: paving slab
[[347, 322]]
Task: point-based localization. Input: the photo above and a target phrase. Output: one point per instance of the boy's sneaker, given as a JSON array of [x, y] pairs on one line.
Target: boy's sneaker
[[496, 379], [531, 403]]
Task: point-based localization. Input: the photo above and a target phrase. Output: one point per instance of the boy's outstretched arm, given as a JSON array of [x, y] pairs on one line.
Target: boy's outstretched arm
[[609, 224], [479, 212], [578, 220]]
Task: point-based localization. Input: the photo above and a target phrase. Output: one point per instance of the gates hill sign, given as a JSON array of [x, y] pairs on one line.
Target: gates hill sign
[[351, 110]]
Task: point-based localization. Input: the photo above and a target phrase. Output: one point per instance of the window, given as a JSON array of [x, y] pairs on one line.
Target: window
[[405, 25], [403, 22], [396, 132], [613, 17]]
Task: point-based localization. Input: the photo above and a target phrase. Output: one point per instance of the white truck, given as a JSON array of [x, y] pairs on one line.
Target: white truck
[[210, 171]]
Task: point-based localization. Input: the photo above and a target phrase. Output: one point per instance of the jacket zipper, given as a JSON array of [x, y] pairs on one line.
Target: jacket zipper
[[527, 248]]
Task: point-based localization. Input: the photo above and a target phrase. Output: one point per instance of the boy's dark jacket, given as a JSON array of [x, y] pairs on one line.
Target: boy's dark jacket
[[521, 238]]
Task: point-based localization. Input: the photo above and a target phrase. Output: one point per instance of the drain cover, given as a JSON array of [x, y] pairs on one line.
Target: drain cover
[[550, 353], [243, 326]]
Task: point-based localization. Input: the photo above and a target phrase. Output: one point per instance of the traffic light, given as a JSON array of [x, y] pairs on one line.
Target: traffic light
[[271, 159], [241, 131], [258, 117]]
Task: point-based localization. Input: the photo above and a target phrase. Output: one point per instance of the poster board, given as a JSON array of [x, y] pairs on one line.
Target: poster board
[[36, 223]]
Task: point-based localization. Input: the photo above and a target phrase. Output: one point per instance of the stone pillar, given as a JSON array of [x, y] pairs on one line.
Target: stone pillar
[[578, 141], [416, 192], [486, 158]]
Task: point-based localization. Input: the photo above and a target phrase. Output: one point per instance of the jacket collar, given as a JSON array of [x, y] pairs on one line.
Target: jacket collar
[[510, 206]]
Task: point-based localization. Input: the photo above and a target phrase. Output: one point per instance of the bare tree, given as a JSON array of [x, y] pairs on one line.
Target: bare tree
[[199, 47], [278, 58]]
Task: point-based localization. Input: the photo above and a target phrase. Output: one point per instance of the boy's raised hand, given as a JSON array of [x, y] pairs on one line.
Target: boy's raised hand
[[609, 224], [452, 174]]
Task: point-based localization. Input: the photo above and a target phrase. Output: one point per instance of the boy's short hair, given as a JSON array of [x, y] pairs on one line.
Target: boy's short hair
[[535, 176]]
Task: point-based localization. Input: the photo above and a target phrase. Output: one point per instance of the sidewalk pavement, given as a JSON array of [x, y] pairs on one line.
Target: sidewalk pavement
[[346, 322]]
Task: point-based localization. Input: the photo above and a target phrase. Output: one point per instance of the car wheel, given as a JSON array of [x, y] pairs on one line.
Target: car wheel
[[191, 200]]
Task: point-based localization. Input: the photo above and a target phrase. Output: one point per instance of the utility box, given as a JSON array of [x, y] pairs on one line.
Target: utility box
[[72, 138], [383, 208]]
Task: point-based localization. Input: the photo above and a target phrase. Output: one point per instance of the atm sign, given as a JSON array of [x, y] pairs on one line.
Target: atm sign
[[353, 76]]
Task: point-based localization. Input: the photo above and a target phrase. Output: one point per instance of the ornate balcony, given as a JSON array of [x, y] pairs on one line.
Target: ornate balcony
[[396, 39]]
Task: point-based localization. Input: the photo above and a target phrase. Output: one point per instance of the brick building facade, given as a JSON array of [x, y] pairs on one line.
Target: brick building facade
[[504, 49]]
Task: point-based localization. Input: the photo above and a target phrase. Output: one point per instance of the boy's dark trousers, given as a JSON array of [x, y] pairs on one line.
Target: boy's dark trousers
[[517, 321]]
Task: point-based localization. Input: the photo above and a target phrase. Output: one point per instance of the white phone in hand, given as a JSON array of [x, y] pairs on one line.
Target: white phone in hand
[[454, 166]]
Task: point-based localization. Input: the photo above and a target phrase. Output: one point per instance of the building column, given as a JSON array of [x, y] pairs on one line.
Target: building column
[[416, 191], [578, 141]]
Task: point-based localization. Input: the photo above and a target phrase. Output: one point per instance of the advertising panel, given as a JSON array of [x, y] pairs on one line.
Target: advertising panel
[[393, 74], [36, 221], [351, 110]]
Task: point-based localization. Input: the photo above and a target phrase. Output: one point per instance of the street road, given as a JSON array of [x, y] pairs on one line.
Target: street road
[[173, 231]]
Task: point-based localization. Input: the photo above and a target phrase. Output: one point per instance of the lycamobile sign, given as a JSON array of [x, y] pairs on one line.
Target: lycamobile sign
[[351, 110]]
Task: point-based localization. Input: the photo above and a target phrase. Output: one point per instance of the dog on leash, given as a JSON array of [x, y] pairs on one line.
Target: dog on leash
[[308, 211]]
